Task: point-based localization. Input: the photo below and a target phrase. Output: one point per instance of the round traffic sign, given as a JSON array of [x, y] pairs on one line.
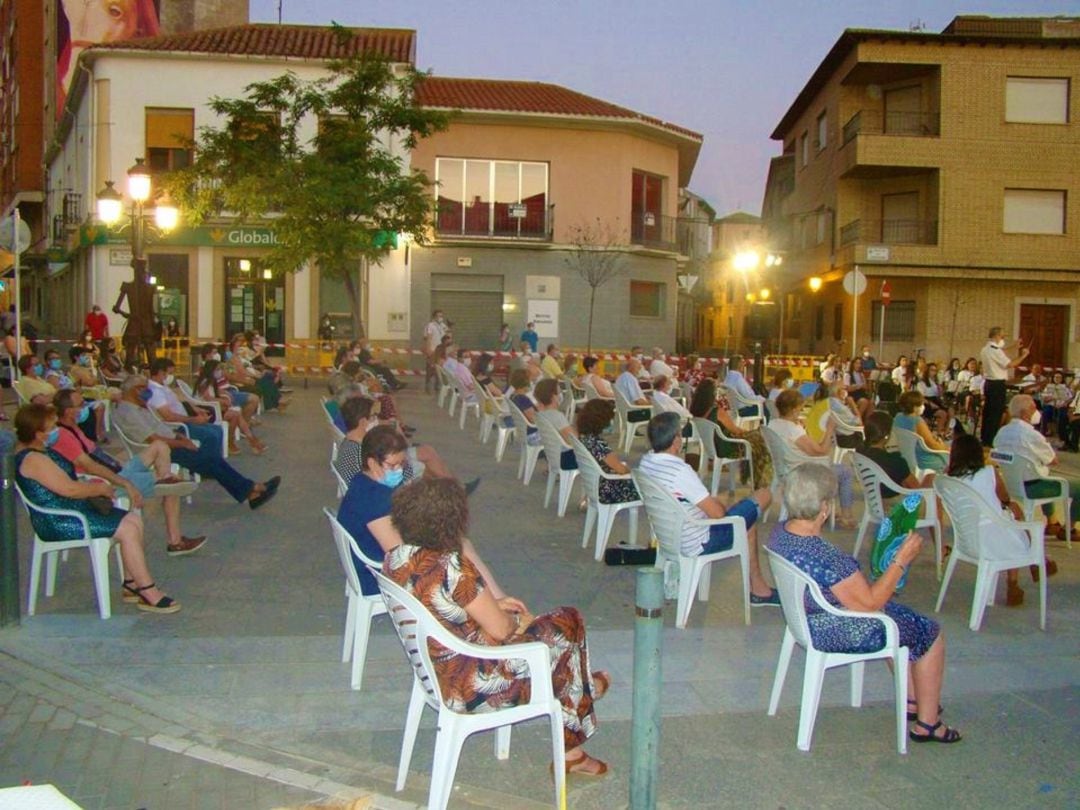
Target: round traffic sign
[[854, 282], [12, 239], [886, 293]]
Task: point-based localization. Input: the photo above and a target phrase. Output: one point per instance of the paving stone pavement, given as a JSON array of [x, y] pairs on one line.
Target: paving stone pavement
[[246, 682]]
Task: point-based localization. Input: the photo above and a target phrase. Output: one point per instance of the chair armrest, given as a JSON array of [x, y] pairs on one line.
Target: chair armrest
[[615, 476], [738, 522], [536, 655], [892, 632], [47, 510]]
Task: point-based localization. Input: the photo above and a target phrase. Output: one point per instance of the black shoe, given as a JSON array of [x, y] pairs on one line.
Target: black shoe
[[272, 484], [259, 500], [470, 487]]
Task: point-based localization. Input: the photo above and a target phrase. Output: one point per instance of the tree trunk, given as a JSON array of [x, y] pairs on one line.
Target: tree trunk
[[354, 305], [592, 301]]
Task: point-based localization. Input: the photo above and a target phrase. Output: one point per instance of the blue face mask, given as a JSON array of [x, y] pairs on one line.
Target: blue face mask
[[54, 434], [55, 364], [146, 395], [228, 355], [38, 369], [393, 478], [84, 360], [84, 414]]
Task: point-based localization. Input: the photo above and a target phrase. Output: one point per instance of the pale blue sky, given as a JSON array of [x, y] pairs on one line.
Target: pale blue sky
[[726, 68]]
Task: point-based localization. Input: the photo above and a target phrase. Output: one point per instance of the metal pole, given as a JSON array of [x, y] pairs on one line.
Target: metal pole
[[645, 721], [881, 336], [9, 548], [854, 309], [16, 249]]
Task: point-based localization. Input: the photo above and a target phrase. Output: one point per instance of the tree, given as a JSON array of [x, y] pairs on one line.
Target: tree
[[596, 257], [337, 199]]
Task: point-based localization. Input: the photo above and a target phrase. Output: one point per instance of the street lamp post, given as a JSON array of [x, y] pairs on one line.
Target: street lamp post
[[139, 332]]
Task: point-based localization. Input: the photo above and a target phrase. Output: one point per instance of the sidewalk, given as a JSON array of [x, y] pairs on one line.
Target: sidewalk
[[247, 680]]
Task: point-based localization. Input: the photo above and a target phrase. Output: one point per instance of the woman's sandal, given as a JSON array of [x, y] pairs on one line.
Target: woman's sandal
[[912, 716], [950, 735], [584, 766], [166, 604], [130, 595], [601, 683]]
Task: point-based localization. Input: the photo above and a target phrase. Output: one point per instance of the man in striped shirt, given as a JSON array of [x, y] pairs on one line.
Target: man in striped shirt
[[665, 466]]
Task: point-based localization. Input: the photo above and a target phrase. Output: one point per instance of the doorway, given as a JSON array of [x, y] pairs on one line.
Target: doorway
[[1044, 328], [254, 300]]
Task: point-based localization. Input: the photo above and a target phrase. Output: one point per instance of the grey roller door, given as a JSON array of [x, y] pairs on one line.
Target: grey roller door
[[473, 303]]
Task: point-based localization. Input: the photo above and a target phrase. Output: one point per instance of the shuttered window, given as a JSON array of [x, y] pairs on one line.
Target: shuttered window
[[169, 134], [473, 304]]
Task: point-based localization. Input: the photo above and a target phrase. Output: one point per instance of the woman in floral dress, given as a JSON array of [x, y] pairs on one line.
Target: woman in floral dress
[[431, 516], [592, 420]]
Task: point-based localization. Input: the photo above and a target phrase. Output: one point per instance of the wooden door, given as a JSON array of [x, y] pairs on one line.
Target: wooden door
[[1045, 329]]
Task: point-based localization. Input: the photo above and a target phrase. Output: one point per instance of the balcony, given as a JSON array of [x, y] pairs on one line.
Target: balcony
[[906, 124], [889, 232], [654, 231], [499, 221]]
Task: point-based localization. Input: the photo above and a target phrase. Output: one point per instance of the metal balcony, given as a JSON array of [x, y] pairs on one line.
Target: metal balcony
[[654, 231], [906, 124], [512, 221], [890, 232]]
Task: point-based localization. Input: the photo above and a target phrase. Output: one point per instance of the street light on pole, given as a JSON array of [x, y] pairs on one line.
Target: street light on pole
[[140, 331]]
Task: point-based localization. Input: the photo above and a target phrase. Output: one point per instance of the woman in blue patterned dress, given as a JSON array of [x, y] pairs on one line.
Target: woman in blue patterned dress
[[592, 420], [808, 491], [47, 479]]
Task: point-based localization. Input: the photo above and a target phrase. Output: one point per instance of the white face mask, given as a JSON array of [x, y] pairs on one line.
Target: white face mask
[[1000, 343], [919, 410], [866, 354], [170, 379], [789, 382], [1036, 418]]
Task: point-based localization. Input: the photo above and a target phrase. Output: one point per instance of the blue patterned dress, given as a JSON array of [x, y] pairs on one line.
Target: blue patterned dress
[[57, 528], [827, 565]]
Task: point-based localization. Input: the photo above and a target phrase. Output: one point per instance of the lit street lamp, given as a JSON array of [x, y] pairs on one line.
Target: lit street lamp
[[139, 331]]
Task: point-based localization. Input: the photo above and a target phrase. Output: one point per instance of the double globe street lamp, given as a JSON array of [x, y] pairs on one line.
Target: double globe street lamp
[[159, 216]]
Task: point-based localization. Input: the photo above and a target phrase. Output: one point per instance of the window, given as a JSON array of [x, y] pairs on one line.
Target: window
[[646, 299], [1029, 210], [804, 148], [819, 322], [822, 131], [821, 222], [491, 198], [1031, 100], [169, 133], [838, 321], [646, 210], [899, 320]]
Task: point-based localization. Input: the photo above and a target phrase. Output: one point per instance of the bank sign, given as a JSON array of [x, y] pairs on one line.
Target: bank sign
[[202, 236]]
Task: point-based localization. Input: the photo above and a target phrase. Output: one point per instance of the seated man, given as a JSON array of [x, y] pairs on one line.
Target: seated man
[[138, 477], [364, 357], [550, 364], [663, 399], [548, 401], [627, 384], [1020, 436], [735, 381], [32, 386], [140, 424], [659, 367], [664, 465], [456, 365], [166, 404]]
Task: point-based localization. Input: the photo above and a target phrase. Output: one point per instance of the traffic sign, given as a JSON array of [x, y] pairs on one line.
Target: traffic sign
[[12, 239], [886, 293], [854, 282]]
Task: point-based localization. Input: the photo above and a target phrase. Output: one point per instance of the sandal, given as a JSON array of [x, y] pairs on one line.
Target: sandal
[[130, 595], [601, 683], [913, 716], [950, 735], [166, 604], [583, 766]]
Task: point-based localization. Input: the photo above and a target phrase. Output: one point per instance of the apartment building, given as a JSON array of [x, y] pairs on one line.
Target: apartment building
[[945, 164]]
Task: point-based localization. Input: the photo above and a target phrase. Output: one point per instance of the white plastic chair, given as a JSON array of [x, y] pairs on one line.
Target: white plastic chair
[[415, 625], [993, 543], [793, 584], [737, 403], [628, 430], [461, 396], [134, 448], [446, 389], [529, 452], [871, 476], [601, 514], [1016, 469], [907, 441], [590, 390], [845, 427], [360, 608], [708, 430], [99, 557], [786, 456], [494, 420], [668, 519], [554, 445]]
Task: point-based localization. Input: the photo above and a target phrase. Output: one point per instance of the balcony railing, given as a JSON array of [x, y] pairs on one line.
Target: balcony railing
[[654, 231], [909, 124], [495, 221], [890, 232]]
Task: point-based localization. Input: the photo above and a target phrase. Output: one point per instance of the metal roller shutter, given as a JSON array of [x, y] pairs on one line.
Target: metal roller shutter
[[473, 303]]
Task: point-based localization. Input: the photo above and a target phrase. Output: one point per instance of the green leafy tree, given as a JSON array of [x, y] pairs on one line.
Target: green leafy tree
[[338, 198]]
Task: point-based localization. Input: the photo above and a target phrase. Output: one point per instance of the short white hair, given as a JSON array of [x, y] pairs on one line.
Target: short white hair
[[657, 351], [806, 488], [1019, 404]]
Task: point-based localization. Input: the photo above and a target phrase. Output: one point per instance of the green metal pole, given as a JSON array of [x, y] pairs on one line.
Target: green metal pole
[[645, 721], [9, 548]]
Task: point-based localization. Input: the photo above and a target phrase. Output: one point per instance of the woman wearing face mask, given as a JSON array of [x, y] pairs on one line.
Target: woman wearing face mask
[[365, 509], [32, 383], [112, 367], [212, 385], [86, 341], [900, 373], [929, 386], [48, 480], [781, 380], [706, 404], [912, 406]]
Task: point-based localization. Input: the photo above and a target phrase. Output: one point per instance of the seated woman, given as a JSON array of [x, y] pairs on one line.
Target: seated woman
[[602, 386], [519, 395], [48, 480], [933, 398], [910, 418], [86, 341], [787, 426], [781, 381], [247, 378], [548, 408], [483, 369], [572, 368], [592, 420], [110, 363], [84, 374], [968, 463], [901, 373], [878, 427], [808, 490], [431, 563], [663, 399], [1055, 405], [706, 405], [212, 386], [255, 354], [836, 403], [858, 388], [32, 385]]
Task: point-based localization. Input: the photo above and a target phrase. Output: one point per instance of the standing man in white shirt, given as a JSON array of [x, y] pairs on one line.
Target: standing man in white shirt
[[665, 466], [659, 367], [433, 335], [997, 366], [737, 383]]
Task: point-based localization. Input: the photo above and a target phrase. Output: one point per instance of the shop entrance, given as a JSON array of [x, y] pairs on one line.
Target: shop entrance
[[254, 299]]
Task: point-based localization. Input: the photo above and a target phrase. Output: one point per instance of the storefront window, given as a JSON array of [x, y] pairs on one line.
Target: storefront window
[[254, 302]]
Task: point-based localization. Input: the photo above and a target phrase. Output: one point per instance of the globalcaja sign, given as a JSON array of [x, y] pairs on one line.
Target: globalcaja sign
[[201, 236]]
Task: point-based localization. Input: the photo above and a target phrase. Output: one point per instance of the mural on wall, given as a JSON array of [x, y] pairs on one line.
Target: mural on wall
[[82, 23]]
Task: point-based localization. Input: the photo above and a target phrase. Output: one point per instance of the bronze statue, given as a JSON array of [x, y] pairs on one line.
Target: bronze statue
[[140, 332]]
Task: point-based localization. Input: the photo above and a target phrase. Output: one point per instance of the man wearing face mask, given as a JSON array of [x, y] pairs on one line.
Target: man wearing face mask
[[31, 384], [166, 404], [997, 366], [434, 332], [868, 361], [1021, 435]]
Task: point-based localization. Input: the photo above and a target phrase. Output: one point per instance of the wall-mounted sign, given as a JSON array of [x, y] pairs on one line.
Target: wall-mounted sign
[[518, 211], [464, 261], [877, 253], [545, 316], [120, 257]]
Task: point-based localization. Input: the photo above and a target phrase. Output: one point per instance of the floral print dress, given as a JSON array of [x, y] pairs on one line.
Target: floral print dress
[[446, 582], [621, 491]]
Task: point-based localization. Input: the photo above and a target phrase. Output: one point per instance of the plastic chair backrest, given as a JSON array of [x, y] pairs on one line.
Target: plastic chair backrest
[[521, 424], [905, 441], [32, 507], [792, 584], [342, 540], [405, 613], [622, 406], [1016, 469], [980, 531], [666, 515], [552, 441], [590, 389], [589, 469], [871, 476]]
